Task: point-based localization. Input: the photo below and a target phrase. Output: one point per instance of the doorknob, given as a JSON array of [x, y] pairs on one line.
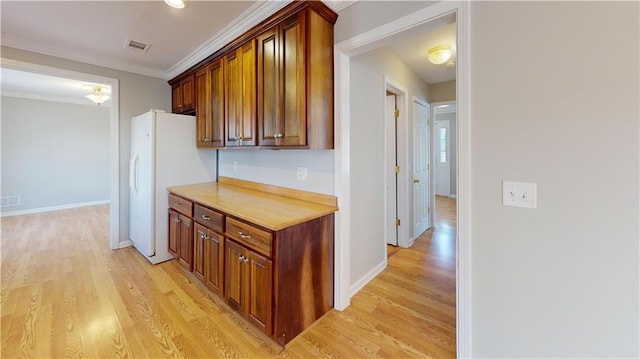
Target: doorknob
[[415, 180]]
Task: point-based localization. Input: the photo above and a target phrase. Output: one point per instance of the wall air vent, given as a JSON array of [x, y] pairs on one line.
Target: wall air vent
[[137, 46]]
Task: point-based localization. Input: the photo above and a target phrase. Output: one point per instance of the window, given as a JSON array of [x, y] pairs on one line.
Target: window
[[443, 145]]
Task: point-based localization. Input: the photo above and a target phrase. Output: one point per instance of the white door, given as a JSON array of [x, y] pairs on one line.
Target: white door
[[421, 200], [391, 186], [443, 163]]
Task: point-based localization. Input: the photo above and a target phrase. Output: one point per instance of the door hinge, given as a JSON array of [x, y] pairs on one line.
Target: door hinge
[[397, 222], [397, 169], [396, 113]]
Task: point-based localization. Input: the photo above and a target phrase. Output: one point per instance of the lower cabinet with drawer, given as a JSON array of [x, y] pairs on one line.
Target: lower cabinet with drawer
[[281, 281]]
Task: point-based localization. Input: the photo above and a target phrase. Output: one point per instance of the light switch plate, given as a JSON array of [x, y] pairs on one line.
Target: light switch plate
[[302, 173], [519, 194]]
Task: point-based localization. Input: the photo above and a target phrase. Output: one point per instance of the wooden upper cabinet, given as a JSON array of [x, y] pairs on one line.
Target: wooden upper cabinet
[[295, 82], [210, 106], [240, 96], [271, 86], [183, 95], [281, 84]]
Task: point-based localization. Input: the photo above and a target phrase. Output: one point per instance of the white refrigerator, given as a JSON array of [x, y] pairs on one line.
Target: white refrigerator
[[163, 154]]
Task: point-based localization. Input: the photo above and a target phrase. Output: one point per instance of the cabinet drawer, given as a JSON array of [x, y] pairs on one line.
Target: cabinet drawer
[[181, 205], [254, 238], [208, 218]]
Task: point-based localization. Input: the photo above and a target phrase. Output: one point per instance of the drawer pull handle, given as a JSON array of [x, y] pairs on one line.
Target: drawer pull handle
[[178, 204], [205, 217], [244, 236]]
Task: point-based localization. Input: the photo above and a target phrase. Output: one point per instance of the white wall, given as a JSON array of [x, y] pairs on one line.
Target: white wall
[[561, 280], [443, 91], [368, 152], [280, 167], [54, 154], [138, 94]]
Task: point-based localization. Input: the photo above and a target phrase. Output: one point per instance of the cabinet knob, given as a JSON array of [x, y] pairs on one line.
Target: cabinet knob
[[278, 135], [177, 220], [415, 180]]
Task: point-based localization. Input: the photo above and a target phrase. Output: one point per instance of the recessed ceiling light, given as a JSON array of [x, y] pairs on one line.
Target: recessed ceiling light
[[178, 4]]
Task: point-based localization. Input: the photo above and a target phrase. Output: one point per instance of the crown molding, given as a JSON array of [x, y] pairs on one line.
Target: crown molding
[[75, 55], [339, 5], [248, 19]]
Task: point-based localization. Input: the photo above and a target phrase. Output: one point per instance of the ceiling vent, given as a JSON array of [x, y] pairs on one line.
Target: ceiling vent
[[137, 46]]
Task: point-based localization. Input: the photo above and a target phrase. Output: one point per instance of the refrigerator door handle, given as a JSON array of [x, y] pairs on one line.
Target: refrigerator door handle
[[133, 173]]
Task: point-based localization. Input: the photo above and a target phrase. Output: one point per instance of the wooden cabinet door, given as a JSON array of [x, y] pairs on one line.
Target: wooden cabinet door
[[203, 109], [216, 102], [269, 86], [259, 307], [209, 84], [199, 251], [292, 128], [185, 242], [235, 273], [240, 98], [188, 96], [282, 85], [214, 262], [174, 232], [183, 96], [176, 98]]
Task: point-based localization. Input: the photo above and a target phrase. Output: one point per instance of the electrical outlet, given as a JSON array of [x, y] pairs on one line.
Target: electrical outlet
[[519, 194], [302, 173], [235, 165]]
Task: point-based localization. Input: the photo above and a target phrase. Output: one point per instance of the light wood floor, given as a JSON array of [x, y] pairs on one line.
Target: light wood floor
[[65, 294]]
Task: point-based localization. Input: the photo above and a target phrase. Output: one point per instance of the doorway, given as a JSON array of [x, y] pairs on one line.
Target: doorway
[[343, 132], [114, 128], [396, 169]]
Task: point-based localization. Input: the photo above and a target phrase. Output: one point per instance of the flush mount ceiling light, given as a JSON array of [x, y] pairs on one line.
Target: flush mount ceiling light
[[440, 54], [178, 4], [97, 96]]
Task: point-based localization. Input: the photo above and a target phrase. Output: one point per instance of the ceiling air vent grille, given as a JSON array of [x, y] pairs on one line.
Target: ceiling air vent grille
[[137, 46]]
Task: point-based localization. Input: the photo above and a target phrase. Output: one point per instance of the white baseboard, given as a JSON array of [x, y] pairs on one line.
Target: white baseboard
[[355, 287], [53, 208], [125, 244]]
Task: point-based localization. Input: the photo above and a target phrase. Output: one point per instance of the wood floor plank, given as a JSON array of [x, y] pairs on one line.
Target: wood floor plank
[[64, 293]]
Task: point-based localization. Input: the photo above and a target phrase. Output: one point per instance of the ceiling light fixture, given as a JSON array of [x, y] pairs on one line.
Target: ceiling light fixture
[[97, 96], [178, 4], [440, 54]]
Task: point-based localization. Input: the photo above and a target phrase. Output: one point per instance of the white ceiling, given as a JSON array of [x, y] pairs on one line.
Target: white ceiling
[[96, 32], [414, 50]]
